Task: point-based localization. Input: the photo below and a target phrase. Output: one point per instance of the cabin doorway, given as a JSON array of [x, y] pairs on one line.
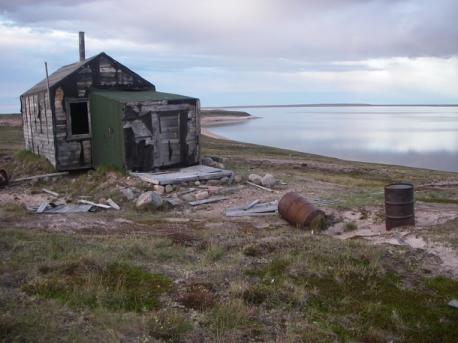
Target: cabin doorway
[[172, 146]]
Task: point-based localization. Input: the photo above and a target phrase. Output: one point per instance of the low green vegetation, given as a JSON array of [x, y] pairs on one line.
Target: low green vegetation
[[170, 326], [116, 286], [350, 226], [11, 139], [320, 288]]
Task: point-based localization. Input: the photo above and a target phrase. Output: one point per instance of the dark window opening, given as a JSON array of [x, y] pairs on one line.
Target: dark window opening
[[79, 118]]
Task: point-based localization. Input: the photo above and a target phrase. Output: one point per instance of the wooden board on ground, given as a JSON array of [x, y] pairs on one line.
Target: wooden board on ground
[[250, 210], [207, 201], [189, 174]]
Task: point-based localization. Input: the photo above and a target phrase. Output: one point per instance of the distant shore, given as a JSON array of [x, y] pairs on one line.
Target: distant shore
[[331, 105], [210, 118]]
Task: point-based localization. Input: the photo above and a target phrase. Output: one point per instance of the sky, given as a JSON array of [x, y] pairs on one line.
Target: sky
[[245, 52]]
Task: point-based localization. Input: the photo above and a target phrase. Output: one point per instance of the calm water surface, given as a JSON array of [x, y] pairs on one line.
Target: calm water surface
[[425, 137]]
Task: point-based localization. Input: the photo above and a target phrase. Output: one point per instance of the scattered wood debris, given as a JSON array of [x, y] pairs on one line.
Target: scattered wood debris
[[50, 192], [207, 201], [51, 208], [37, 177], [261, 187], [113, 204], [194, 173], [253, 209], [87, 202]]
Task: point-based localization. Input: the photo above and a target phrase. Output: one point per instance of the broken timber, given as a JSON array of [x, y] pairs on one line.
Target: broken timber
[[207, 201], [37, 177], [113, 204], [50, 192], [253, 209], [51, 208], [94, 204], [194, 173], [261, 187]]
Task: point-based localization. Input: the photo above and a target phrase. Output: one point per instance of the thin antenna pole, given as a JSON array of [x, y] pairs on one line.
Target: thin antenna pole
[[49, 101]]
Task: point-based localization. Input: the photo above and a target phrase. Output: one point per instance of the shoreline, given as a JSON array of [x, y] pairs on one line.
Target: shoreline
[[207, 122]]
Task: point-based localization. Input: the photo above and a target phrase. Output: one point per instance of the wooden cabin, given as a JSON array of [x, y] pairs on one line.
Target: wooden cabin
[[97, 111]]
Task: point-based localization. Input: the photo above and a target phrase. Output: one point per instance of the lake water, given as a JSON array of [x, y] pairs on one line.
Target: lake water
[[425, 137]]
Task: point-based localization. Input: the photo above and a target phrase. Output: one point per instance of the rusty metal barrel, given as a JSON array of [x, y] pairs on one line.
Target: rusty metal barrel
[[399, 205], [297, 211]]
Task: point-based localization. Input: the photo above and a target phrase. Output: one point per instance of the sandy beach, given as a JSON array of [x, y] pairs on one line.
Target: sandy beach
[[209, 121]]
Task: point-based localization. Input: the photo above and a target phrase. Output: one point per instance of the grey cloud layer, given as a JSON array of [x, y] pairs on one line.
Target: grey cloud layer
[[312, 30]]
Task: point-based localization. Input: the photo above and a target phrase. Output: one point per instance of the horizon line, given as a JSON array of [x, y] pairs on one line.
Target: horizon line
[[330, 105]]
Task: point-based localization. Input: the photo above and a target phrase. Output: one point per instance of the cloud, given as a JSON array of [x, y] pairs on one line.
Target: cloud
[[329, 29], [238, 51]]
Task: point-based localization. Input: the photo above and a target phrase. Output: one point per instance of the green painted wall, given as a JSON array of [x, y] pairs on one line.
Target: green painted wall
[[107, 135]]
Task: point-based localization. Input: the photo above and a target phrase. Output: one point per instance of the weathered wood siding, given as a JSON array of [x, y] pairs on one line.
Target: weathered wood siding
[[161, 134], [38, 125], [102, 72]]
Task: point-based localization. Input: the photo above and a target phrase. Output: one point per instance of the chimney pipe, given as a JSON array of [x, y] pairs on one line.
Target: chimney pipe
[[82, 47]]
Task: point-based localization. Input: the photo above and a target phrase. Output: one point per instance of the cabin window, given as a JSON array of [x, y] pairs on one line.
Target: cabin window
[[78, 115]]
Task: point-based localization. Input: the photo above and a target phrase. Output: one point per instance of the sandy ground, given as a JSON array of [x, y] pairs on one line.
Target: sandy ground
[[223, 120], [208, 122]]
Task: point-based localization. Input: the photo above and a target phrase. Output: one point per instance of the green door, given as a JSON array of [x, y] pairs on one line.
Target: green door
[[107, 140]]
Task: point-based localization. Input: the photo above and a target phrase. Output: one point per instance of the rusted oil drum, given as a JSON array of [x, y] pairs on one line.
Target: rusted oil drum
[[297, 211], [3, 177], [399, 205]]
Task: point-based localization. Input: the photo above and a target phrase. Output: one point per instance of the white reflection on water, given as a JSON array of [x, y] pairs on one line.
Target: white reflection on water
[[424, 137]]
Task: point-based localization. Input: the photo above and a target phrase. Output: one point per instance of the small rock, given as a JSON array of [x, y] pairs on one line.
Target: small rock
[[218, 165], [168, 188], [197, 183], [128, 193], [172, 202], [213, 182], [159, 189], [224, 180], [237, 179], [201, 195], [268, 180], [149, 199], [218, 159], [208, 161], [255, 178], [188, 197], [156, 200], [213, 189], [453, 303], [122, 220]]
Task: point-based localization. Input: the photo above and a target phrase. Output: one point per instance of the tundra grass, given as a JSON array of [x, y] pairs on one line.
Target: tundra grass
[[126, 285]]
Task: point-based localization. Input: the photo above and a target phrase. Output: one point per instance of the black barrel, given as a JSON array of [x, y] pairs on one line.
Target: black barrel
[[399, 205]]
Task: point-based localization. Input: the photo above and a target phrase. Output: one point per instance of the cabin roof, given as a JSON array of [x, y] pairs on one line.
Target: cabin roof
[[138, 96], [65, 71]]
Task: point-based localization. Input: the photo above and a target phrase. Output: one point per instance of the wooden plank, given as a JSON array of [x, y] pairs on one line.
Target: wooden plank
[[42, 207], [94, 204], [261, 187], [207, 201], [50, 192], [36, 177], [189, 174], [263, 209], [250, 205], [113, 204]]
